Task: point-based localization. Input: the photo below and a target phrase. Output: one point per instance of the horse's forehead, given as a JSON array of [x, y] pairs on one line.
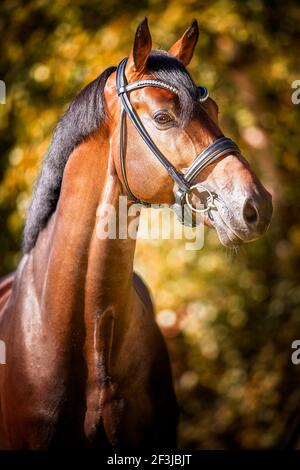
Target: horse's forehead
[[157, 95]]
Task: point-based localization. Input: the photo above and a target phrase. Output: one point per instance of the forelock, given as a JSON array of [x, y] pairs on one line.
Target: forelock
[[167, 68]]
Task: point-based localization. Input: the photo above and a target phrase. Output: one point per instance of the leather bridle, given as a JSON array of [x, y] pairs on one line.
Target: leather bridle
[[184, 181]]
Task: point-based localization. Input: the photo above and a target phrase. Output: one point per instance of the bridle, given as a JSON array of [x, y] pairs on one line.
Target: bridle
[[217, 149]]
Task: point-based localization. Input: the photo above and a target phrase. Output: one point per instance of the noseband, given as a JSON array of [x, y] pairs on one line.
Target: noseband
[[184, 181]]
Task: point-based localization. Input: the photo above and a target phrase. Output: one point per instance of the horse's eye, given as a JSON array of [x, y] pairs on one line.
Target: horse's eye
[[162, 118]]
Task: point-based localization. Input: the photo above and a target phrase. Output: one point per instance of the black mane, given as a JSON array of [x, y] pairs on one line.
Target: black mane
[[85, 114]]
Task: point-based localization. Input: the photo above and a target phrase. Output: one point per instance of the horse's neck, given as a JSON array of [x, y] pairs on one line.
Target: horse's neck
[[81, 276], [83, 284]]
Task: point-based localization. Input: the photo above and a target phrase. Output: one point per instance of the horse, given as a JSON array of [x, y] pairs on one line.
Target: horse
[[87, 366]]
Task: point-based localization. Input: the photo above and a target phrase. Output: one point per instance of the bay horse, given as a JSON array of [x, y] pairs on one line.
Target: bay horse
[[87, 366]]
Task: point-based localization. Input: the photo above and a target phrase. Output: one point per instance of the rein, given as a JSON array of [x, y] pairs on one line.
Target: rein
[[184, 181]]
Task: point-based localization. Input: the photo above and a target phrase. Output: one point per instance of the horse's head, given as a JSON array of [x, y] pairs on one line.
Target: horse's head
[[182, 122]]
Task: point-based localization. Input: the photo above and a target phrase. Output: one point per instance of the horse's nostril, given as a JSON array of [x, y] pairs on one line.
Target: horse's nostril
[[250, 212]]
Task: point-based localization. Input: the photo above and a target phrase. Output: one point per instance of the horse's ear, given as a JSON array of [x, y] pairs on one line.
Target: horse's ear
[[141, 48], [184, 48]]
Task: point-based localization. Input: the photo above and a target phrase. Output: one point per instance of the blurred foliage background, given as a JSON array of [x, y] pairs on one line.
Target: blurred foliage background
[[229, 318]]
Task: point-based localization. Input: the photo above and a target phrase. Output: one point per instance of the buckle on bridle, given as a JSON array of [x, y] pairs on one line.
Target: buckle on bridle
[[203, 94]]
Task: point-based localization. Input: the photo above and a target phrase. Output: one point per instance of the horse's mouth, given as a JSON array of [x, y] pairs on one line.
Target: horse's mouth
[[231, 232], [227, 236]]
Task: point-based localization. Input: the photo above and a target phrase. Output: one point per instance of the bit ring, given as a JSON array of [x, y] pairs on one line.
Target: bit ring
[[210, 199]]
